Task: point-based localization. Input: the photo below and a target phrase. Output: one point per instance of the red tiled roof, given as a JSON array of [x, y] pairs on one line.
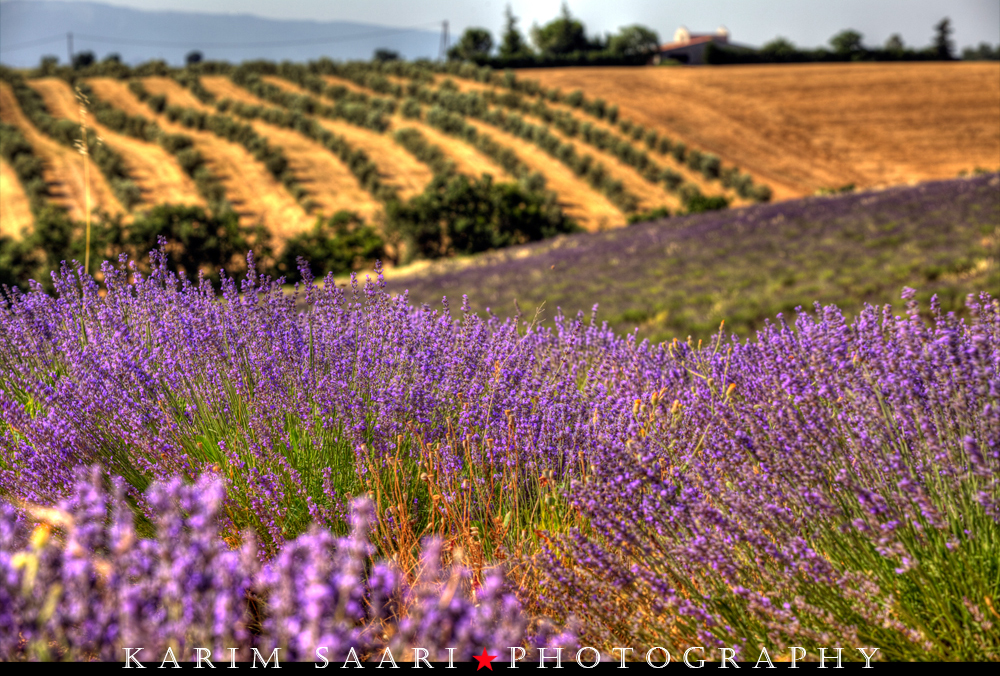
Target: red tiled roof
[[695, 40]]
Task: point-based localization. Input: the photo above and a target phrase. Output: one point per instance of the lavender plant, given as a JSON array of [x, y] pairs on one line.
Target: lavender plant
[[92, 589], [827, 482]]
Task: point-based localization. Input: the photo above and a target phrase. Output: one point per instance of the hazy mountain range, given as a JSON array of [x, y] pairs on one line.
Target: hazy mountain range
[[30, 30]]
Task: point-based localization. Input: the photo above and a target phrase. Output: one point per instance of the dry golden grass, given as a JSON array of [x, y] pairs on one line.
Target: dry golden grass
[[396, 166], [589, 208], [154, 170], [467, 159], [63, 165], [15, 209], [694, 177], [802, 127], [329, 182], [176, 94], [255, 195]]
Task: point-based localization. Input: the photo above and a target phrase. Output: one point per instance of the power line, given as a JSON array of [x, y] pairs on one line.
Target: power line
[[39, 41]]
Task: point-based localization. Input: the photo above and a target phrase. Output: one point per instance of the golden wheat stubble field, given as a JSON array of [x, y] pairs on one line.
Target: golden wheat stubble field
[[63, 167], [15, 209], [802, 127]]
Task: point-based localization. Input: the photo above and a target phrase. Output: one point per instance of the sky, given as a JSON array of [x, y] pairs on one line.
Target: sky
[[807, 23]]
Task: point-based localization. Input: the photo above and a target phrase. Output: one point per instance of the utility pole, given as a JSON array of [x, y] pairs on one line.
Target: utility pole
[[443, 51], [69, 46]]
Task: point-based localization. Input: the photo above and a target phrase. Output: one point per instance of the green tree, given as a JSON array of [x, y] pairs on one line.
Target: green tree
[[634, 39], [561, 36], [512, 43], [340, 244], [944, 46], [847, 42], [984, 52], [475, 43], [383, 55], [779, 48], [895, 44]]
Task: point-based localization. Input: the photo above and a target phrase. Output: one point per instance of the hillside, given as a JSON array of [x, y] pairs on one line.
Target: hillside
[[802, 127], [684, 276], [287, 144]]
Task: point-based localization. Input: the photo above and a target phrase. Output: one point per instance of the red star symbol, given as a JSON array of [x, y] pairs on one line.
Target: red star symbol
[[484, 660]]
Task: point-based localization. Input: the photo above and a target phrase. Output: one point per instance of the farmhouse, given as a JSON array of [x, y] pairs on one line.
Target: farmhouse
[[689, 47]]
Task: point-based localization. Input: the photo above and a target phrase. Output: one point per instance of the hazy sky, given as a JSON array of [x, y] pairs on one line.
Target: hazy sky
[[805, 22]]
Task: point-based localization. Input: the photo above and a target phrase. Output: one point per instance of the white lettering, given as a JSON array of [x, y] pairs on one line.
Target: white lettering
[[623, 655], [542, 657], [357, 662], [822, 658], [130, 657], [868, 658], [597, 659], [388, 653], [170, 654], [198, 658], [765, 656], [264, 662], [420, 655], [701, 663], [649, 657]]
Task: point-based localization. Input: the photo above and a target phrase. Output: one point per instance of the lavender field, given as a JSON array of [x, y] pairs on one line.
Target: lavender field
[[684, 275], [366, 474]]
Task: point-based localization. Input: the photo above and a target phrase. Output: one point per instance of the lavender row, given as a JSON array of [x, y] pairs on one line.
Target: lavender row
[[826, 482]]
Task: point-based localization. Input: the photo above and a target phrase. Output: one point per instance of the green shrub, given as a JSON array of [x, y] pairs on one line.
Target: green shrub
[[338, 245]]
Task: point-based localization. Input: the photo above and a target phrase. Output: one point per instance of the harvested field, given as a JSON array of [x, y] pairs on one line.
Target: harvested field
[[329, 182], [467, 159], [667, 161], [587, 207], [802, 127], [63, 165], [15, 209], [396, 167], [255, 195], [154, 170], [176, 94]]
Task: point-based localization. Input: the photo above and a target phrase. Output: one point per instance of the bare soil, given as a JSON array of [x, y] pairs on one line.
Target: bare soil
[[64, 172], [154, 170], [15, 209]]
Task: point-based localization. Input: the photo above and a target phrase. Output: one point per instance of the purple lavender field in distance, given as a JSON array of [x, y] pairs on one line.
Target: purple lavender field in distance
[[829, 482], [682, 276]]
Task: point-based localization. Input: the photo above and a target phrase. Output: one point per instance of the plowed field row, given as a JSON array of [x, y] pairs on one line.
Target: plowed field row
[[64, 172], [153, 169], [329, 182], [15, 209], [690, 176], [578, 199], [466, 159], [396, 167], [254, 193]]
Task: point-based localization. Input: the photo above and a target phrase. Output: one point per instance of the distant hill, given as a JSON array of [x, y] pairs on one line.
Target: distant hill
[[143, 35]]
